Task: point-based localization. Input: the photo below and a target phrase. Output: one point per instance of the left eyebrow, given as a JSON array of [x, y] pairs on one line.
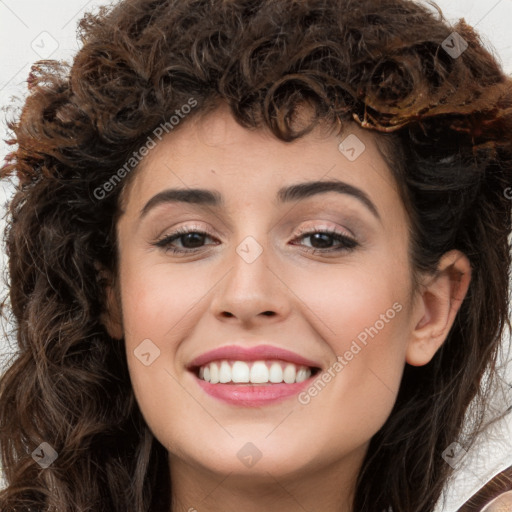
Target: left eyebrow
[[311, 188], [286, 194]]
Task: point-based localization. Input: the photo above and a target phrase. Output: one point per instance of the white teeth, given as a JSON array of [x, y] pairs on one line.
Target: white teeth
[[276, 373], [240, 371], [289, 373], [224, 372], [214, 373], [257, 372], [302, 374]]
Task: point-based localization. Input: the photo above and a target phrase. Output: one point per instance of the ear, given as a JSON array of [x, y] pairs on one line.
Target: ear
[[436, 307], [111, 317]]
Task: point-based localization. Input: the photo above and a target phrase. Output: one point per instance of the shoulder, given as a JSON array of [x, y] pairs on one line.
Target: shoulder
[[502, 503], [494, 496]]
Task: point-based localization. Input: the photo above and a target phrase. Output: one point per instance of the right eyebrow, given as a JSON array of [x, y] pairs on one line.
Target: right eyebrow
[[185, 195]]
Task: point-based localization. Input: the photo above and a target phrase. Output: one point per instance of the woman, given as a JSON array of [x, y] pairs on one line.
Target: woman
[[258, 259]]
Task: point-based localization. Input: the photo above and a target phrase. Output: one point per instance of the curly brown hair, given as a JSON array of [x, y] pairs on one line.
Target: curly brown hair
[[444, 120]]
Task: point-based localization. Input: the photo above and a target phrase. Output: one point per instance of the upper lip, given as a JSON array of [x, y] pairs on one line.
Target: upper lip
[[257, 353]]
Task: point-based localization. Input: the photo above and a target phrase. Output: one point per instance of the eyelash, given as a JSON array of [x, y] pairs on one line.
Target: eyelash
[[348, 244]]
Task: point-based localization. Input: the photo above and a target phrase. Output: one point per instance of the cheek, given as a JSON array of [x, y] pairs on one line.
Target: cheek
[[362, 315], [356, 302], [158, 312], [157, 302]]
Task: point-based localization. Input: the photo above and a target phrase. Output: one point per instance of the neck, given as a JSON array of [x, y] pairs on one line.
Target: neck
[[330, 488]]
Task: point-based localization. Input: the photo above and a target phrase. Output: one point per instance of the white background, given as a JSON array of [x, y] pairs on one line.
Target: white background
[[32, 30]]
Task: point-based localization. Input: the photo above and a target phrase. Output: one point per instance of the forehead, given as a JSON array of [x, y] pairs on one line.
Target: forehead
[[215, 151]]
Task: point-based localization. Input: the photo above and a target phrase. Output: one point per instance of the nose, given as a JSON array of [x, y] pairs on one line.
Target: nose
[[251, 292]]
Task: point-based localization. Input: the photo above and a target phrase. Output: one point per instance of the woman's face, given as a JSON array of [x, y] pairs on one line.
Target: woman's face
[[267, 293]]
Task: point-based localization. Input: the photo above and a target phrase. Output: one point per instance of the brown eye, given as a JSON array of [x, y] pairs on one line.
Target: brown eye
[[326, 240], [190, 240]]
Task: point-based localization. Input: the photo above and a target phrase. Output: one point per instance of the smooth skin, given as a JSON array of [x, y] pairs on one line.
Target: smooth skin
[[313, 303]]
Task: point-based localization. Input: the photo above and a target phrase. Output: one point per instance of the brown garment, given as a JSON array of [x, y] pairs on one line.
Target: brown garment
[[498, 491]]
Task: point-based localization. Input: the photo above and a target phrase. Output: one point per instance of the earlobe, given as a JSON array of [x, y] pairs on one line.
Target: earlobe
[[111, 316], [437, 306]]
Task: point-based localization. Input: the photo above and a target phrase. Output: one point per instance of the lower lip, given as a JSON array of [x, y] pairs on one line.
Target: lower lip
[[247, 395]]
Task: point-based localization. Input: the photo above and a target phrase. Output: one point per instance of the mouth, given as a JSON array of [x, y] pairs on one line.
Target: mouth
[[253, 373], [252, 383], [252, 376]]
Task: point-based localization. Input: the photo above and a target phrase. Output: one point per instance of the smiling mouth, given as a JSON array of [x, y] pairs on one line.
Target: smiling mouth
[[251, 373]]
